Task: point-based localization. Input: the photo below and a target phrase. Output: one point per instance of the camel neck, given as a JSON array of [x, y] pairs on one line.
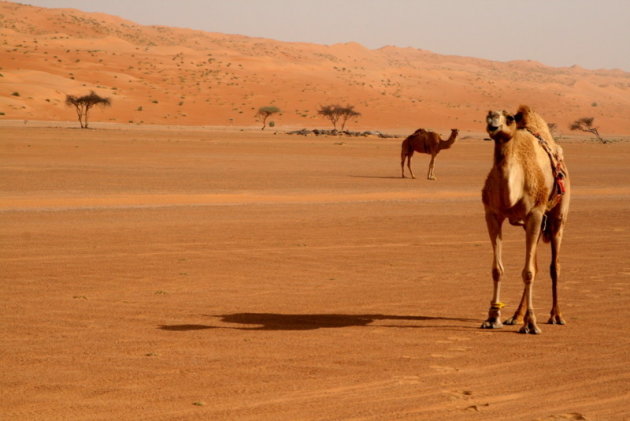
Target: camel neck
[[445, 144], [502, 148]]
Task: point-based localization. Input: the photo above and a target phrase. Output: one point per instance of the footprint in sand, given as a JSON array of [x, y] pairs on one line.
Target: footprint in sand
[[477, 408], [459, 395]]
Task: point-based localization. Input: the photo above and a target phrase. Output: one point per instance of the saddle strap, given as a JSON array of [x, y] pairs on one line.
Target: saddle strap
[[557, 168]]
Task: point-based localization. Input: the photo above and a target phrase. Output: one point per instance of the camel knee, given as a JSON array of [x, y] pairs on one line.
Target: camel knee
[[496, 274], [528, 276]]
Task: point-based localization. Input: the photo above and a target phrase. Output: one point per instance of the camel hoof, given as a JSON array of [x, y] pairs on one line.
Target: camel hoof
[[531, 329], [491, 324], [556, 320], [513, 321]]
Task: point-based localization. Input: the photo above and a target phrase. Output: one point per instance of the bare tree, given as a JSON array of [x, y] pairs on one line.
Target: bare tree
[[585, 124], [265, 112], [83, 104]]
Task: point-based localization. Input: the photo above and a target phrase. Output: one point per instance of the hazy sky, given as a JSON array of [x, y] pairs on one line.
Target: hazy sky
[[590, 33]]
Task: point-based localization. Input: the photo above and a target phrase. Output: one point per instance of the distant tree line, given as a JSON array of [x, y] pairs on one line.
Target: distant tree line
[[337, 114]]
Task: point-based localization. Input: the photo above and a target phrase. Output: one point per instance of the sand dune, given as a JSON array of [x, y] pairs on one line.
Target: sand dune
[[155, 270], [162, 75]]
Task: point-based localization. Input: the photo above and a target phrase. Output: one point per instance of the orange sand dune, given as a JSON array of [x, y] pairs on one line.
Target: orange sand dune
[[162, 75]]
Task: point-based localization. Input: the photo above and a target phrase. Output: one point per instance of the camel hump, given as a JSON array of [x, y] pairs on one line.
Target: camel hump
[[419, 131]]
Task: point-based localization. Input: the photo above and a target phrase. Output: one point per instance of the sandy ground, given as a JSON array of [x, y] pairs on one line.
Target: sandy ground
[[227, 275]]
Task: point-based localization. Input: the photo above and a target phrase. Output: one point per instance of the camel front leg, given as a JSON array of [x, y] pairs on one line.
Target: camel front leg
[[431, 174], [554, 269], [532, 236], [494, 224]]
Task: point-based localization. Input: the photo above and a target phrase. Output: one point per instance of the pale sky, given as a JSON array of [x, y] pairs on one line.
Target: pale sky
[[593, 34]]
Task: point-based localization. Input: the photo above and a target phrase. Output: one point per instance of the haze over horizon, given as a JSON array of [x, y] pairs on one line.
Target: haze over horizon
[[559, 33]]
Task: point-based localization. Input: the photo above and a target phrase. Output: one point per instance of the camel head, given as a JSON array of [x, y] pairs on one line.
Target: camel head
[[454, 132], [500, 125]]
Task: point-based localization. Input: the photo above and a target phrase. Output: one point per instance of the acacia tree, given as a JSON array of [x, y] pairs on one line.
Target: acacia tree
[[83, 104], [585, 124], [331, 112], [346, 113], [336, 113], [265, 112]]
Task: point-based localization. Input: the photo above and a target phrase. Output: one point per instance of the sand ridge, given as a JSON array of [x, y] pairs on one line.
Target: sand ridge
[[162, 75]]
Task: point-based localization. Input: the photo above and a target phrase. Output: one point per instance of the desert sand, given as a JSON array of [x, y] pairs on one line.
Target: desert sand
[[171, 273], [174, 263], [174, 76]]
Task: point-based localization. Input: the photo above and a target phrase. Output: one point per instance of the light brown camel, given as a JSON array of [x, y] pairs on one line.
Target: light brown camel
[[424, 142], [529, 186]]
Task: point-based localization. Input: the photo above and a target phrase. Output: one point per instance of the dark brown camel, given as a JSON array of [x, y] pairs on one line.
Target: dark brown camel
[[424, 142]]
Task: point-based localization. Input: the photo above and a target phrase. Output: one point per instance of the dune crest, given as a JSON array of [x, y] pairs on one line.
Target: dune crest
[[163, 75]]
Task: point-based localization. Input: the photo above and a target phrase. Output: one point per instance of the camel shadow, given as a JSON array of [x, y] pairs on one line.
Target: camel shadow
[[288, 322], [186, 327]]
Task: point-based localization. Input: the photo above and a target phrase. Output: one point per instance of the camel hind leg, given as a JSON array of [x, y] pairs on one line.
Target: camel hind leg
[[403, 155], [557, 228], [519, 313], [408, 156], [532, 236]]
